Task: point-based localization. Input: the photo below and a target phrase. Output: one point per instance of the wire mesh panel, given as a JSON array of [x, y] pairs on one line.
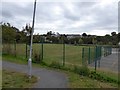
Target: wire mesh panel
[[92, 54], [1, 46], [107, 50], [85, 53], [8, 49], [99, 52], [36, 52], [21, 50], [53, 53], [73, 55]]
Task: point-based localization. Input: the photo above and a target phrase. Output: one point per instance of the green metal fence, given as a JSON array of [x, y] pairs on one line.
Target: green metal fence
[[64, 54], [107, 50], [93, 54]]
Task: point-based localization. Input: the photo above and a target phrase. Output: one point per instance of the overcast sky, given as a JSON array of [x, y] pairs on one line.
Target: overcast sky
[[66, 17]]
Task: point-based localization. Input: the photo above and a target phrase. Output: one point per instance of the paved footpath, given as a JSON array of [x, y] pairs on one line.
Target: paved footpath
[[46, 78], [109, 62]]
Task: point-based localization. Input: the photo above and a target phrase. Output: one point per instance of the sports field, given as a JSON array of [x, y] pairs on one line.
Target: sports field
[[72, 55]]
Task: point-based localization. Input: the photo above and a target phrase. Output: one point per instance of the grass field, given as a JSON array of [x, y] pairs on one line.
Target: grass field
[[13, 79], [53, 52]]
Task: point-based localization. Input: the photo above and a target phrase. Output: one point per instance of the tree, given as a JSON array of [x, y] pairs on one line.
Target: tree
[[49, 33], [94, 41], [80, 41], [27, 31], [8, 33], [84, 34], [36, 38], [114, 38], [113, 33], [8, 24], [119, 37]]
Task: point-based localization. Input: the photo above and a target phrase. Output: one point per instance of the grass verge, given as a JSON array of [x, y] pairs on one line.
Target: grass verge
[[78, 81], [13, 79], [75, 80]]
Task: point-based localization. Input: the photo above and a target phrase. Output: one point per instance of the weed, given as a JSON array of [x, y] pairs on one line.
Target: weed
[[55, 65], [36, 57], [83, 70]]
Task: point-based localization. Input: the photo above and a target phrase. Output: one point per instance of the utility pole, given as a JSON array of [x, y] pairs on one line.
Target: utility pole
[[31, 41]]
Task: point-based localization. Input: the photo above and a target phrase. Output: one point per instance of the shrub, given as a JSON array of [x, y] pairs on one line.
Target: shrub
[[55, 64], [101, 77], [43, 63], [36, 57], [65, 68], [83, 70]]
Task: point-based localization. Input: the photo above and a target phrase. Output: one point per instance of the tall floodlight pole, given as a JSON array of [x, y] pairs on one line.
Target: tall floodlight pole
[[30, 55]]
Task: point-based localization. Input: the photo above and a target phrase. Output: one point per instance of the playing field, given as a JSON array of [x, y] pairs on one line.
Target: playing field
[[53, 52]]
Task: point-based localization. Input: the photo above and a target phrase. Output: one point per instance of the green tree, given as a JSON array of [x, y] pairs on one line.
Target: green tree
[[80, 41], [113, 33], [8, 33], [84, 35]]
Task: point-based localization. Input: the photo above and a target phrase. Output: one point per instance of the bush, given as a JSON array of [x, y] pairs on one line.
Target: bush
[[95, 75], [101, 77], [55, 64], [43, 63], [83, 70], [36, 57], [65, 68]]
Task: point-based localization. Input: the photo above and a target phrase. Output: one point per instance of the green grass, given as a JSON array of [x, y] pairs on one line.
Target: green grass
[[75, 80], [52, 52], [0, 79], [73, 56], [13, 79], [14, 59]]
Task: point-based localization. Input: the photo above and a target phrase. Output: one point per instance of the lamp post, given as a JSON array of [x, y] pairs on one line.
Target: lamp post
[[31, 41]]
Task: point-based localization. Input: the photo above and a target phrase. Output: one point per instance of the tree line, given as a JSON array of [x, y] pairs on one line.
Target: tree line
[[11, 34]]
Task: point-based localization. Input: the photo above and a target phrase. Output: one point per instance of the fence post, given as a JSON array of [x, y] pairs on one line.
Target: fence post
[[89, 56], [42, 48], [63, 52], [82, 55], [100, 55], [104, 51], [15, 47], [111, 50], [26, 50], [95, 58]]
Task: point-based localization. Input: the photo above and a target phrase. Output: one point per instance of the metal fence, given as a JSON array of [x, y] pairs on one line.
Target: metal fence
[[64, 54]]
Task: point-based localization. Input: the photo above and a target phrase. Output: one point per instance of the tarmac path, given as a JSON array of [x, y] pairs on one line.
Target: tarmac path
[[109, 62], [46, 78]]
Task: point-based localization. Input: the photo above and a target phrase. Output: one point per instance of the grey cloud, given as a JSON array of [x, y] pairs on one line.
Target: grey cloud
[[6, 14], [45, 12], [85, 5], [71, 16], [15, 10], [106, 17], [102, 17]]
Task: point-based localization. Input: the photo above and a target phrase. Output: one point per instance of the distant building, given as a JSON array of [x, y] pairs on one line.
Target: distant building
[[55, 35], [69, 36]]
